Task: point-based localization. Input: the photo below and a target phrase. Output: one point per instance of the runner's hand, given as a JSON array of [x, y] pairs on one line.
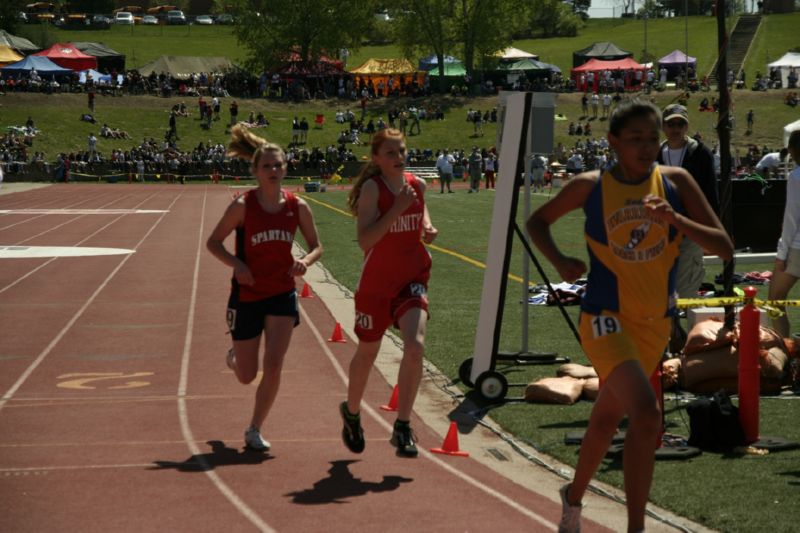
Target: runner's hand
[[405, 197], [429, 234], [243, 275], [298, 268], [570, 268]]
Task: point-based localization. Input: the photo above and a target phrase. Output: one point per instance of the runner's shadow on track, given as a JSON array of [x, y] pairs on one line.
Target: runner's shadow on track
[[220, 455], [341, 485]]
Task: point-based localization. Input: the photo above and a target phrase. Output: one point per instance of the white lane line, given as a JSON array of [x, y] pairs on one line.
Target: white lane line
[[25, 221], [428, 455], [8, 471], [77, 244], [27, 252], [99, 211], [183, 415], [36, 362]]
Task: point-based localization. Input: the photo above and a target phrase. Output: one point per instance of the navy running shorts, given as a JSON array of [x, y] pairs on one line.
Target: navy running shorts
[[246, 319]]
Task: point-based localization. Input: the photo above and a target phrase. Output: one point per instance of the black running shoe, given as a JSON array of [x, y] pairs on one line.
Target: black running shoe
[[352, 434], [404, 440]]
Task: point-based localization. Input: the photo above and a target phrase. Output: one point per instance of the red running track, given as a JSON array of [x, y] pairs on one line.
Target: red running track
[[119, 414]]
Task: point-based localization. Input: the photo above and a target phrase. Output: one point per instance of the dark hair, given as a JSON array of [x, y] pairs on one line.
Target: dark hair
[[794, 146], [371, 169], [629, 110]]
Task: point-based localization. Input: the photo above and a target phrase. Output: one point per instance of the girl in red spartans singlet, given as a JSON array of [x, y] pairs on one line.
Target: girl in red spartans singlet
[[393, 223], [263, 299]]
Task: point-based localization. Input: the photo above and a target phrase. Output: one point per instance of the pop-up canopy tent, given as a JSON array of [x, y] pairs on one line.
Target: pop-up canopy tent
[[43, 66], [182, 67], [17, 43], [98, 77], [67, 56], [675, 62], [513, 54], [530, 65], [107, 59], [454, 69], [8, 55], [787, 130], [598, 66], [432, 62], [789, 61], [377, 70], [605, 51]]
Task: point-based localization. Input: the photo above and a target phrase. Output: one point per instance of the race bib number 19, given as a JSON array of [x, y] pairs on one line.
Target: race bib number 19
[[605, 325]]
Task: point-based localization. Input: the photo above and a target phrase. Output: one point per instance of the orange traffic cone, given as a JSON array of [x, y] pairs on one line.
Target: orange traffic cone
[[337, 335], [306, 292], [392, 401], [450, 445]]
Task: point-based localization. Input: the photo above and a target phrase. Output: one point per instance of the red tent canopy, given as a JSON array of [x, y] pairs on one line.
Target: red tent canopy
[[600, 65], [67, 56]]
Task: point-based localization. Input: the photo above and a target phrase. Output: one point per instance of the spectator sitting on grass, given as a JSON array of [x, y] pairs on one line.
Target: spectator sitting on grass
[[790, 99]]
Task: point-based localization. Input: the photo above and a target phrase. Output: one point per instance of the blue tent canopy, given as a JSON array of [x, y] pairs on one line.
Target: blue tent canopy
[[431, 62], [43, 66], [98, 77]]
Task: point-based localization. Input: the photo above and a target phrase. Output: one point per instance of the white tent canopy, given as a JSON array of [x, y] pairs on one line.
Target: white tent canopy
[[512, 53], [788, 129], [789, 61]]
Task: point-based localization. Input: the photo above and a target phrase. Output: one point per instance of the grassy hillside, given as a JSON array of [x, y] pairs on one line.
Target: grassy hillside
[[57, 116], [144, 43]]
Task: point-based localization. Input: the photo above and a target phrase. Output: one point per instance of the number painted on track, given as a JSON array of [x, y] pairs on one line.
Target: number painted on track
[[82, 380]]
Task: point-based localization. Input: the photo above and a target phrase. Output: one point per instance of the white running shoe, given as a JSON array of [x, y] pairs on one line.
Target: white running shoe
[[570, 514], [230, 360], [254, 440]]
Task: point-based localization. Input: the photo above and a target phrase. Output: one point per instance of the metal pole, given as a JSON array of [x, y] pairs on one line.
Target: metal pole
[[686, 43], [526, 209]]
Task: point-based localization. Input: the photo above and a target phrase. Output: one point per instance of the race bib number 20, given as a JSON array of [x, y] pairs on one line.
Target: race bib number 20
[[605, 325]]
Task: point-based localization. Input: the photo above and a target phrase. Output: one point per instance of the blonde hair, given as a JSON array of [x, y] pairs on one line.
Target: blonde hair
[[370, 169], [249, 146]]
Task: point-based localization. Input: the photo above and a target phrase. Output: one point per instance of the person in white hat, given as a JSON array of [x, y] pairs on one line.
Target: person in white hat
[[680, 150]]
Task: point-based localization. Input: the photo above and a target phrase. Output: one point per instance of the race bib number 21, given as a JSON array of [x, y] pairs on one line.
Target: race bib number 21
[[605, 325]]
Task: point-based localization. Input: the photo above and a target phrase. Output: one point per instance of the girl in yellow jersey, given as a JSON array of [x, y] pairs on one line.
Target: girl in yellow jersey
[[636, 214]]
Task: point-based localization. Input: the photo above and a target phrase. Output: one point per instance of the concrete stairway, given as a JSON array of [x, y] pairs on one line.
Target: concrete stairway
[[739, 44]]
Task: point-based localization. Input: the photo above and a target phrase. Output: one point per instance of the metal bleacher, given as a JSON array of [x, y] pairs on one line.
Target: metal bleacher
[[426, 173]]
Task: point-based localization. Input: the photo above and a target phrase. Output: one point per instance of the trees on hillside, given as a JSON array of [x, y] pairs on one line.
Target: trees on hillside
[[9, 13], [270, 29]]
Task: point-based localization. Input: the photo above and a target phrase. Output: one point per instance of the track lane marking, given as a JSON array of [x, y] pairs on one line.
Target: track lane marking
[[423, 452], [78, 243], [183, 415], [41, 357]]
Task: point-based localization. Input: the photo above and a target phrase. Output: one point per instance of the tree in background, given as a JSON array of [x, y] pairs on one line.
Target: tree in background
[[425, 26], [553, 18], [271, 29], [471, 29], [9, 14]]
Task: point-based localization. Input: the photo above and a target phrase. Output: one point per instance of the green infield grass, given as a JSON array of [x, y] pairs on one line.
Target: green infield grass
[[724, 492]]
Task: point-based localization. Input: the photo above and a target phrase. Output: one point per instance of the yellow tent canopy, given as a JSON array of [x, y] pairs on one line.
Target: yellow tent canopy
[[8, 55], [378, 72], [385, 67]]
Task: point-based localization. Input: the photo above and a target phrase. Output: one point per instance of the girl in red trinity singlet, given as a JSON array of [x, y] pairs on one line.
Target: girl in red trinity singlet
[[392, 223], [263, 298]]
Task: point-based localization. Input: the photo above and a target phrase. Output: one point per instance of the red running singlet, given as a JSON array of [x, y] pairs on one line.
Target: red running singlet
[[400, 257], [264, 243]]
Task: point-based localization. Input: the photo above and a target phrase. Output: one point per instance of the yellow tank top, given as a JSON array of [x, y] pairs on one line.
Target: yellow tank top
[[632, 255]]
